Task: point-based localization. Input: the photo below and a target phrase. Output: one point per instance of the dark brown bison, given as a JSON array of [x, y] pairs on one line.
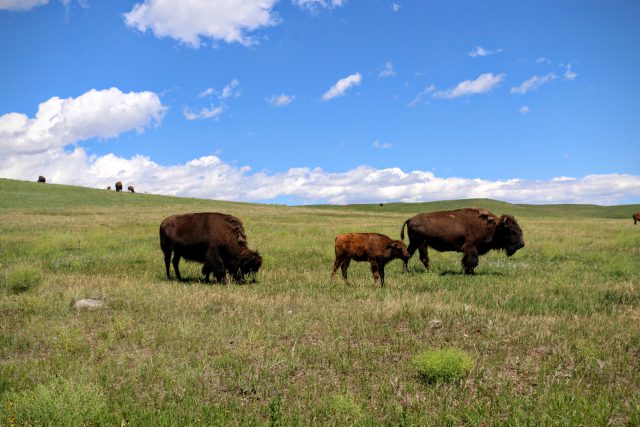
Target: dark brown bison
[[473, 232], [108, 187], [130, 189], [217, 240], [376, 248], [636, 218], [42, 179], [118, 186]]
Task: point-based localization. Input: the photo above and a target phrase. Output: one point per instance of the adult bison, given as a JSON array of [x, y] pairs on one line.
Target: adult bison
[[636, 218], [217, 240], [376, 248], [472, 231], [119, 186], [130, 189], [42, 179]]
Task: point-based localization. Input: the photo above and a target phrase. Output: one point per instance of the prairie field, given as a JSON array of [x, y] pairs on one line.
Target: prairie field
[[553, 332]]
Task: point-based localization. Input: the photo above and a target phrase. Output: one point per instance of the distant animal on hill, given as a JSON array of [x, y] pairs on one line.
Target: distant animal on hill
[[118, 186], [130, 189], [42, 179], [636, 218], [471, 231], [109, 187], [215, 239], [376, 248]]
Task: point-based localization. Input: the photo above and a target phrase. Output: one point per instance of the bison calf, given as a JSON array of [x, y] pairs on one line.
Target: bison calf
[[217, 240], [130, 189], [473, 232], [376, 248], [636, 218]]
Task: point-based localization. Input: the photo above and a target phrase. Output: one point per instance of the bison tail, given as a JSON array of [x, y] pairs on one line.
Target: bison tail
[[402, 230]]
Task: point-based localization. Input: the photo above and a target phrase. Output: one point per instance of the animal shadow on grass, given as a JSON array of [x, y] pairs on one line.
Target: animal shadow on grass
[[477, 273]]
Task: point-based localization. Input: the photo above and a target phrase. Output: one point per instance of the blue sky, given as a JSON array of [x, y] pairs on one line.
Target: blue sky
[[325, 101]]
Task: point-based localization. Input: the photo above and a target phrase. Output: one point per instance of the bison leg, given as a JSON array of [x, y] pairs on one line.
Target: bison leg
[[344, 267], [336, 264], [381, 266], [412, 249], [167, 261], [375, 269], [213, 264], [424, 254], [176, 261], [469, 259]]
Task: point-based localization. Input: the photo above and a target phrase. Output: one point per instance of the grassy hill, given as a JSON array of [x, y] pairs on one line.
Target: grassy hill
[[554, 331]]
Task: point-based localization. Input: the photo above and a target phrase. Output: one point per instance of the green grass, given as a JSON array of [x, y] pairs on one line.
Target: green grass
[[554, 331]]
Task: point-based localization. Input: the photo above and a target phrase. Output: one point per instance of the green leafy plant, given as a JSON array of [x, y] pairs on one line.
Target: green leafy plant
[[445, 365]]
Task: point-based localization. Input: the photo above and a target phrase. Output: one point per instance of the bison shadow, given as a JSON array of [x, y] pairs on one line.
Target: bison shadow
[[477, 273], [188, 281]]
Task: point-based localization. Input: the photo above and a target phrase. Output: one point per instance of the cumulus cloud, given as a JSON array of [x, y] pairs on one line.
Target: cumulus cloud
[[533, 83], [524, 109], [212, 112], [342, 86], [207, 92], [422, 96], [395, 7], [281, 100], [483, 84], [210, 177], [192, 21], [21, 5], [94, 114], [480, 51], [230, 90], [381, 145]]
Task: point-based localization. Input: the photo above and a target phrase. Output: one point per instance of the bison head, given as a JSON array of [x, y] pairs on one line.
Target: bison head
[[249, 264], [399, 250], [508, 235]]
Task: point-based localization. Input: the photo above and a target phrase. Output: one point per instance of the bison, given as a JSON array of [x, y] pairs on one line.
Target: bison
[[217, 240], [376, 248], [130, 189], [108, 187], [636, 218], [119, 186], [42, 179], [471, 231]]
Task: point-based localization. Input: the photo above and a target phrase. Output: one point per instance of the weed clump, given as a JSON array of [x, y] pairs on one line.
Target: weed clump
[[445, 365], [21, 279]]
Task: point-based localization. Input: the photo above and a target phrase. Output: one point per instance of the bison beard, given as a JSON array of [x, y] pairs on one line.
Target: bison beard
[[473, 232], [214, 239]]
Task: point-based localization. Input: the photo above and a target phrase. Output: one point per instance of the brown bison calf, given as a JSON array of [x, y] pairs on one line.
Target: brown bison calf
[[118, 186], [636, 218], [42, 179], [376, 248], [472, 231], [130, 189], [214, 239]]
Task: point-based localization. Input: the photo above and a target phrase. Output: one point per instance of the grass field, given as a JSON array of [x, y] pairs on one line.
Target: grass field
[[553, 332]]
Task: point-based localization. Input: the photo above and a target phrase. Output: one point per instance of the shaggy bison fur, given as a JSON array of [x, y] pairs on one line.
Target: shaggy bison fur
[[376, 248], [217, 240], [636, 218], [471, 231], [118, 186]]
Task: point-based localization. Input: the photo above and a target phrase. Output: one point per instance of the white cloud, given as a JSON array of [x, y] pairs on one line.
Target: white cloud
[[230, 90], [204, 113], [210, 177], [533, 83], [568, 74], [281, 100], [342, 86], [94, 114], [395, 7], [387, 71], [480, 51], [207, 92], [192, 21], [483, 84], [314, 5], [381, 145], [543, 60], [524, 109], [421, 98], [21, 5]]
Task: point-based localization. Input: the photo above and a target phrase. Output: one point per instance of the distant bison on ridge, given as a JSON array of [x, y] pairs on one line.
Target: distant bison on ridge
[[217, 240], [130, 189], [118, 186], [636, 218], [376, 248], [473, 232], [42, 179]]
